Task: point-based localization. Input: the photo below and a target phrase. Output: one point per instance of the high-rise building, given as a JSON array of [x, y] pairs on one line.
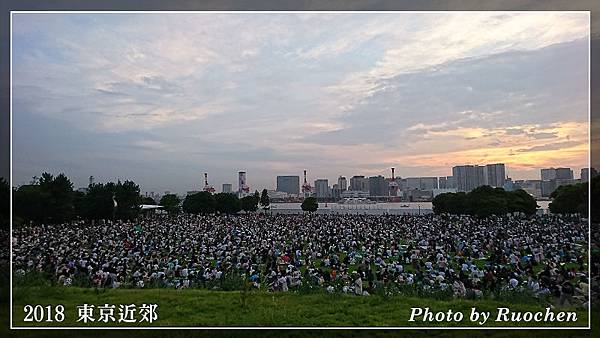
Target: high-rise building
[[468, 177], [532, 187], [419, 183], [556, 173], [548, 187], [359, 183], [564, 174], [508, 184], [450, 182], [548, 174], [289, 184], [227, 188], [336, 192], [584, 176], [587, 174], [446, 182], [428, 183], [411, 183], [378, 186], [494, 175], [342, 183], [322, 189], [442, 182]]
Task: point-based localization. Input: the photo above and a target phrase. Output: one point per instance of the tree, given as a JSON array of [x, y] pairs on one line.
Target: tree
[[310, 204], [227, 203], [4, 203], [199, 203], [520, 201], [485, 201], [148, 200], [458, 204], [79, 203], [52, 199], [595, 198], [570, 199], [171, 203], [450, 203], [49, 199], [264, 199], [128, 198], [249, 203], [30, 203], [98, 202], [440, 203]]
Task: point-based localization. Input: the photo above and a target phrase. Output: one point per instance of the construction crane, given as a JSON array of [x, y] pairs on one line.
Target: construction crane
[[207, 187], [306, 188]]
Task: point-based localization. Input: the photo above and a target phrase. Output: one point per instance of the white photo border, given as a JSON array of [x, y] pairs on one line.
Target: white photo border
[[12, 327]]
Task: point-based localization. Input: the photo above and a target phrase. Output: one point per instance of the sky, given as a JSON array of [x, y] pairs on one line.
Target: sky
[[162, 98]]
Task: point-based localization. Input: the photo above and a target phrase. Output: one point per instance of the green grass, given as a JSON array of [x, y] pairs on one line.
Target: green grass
[[199, 308]]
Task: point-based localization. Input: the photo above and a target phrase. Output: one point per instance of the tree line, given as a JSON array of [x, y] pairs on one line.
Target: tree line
[[51, 199], [485, 201], [574, 198], [206, 203], [4, 203]]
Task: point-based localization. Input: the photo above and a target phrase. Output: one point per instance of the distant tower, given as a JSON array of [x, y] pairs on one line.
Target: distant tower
[[306, 188], [207, 187], [91, 180], [342, 183], [242, 186], [393, 184]]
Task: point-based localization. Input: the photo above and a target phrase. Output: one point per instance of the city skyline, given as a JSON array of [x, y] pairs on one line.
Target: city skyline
[[233, 187], [161, 99]]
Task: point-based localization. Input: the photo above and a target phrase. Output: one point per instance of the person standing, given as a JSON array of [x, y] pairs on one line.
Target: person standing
[[358, 289]]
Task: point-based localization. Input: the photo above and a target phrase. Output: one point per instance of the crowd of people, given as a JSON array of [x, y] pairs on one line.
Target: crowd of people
[[360, 254]]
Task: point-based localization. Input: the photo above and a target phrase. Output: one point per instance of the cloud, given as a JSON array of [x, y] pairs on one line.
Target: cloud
[[540, 136], [430, 102], [456, 36], [550, 146], [151, 145], [277, 93], [514, 131]]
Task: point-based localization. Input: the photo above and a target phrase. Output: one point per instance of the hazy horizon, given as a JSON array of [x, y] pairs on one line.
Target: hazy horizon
[[162, 98]]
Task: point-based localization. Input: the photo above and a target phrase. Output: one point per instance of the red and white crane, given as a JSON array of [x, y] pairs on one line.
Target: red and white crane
[[306, 188], [393, 185], [207, 187], [243, 187]]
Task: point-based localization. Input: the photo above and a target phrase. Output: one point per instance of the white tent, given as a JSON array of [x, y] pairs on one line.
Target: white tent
[[150, 206]]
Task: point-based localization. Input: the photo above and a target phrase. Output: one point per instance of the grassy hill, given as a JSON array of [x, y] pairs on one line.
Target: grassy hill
[[195, 307]]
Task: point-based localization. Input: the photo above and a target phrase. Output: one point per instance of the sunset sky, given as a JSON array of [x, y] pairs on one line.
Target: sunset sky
[[162, 98]]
